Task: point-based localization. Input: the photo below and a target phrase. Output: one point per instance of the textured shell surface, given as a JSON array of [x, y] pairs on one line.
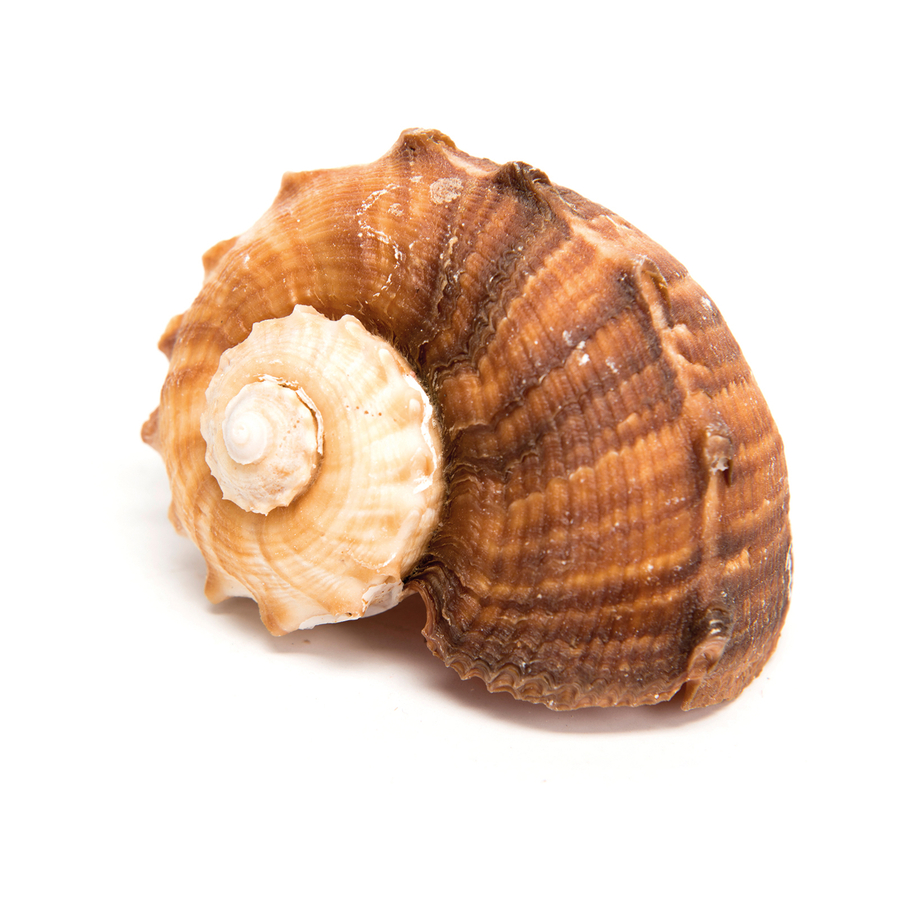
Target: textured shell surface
[[586, 488]]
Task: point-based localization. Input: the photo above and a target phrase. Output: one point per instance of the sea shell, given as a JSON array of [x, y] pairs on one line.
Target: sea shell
[[588, 487]]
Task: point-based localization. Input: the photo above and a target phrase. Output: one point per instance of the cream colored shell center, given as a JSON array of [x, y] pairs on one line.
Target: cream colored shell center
[[271, 441], [326, 424]]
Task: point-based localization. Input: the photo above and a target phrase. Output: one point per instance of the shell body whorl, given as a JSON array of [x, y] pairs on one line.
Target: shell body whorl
[[610, 524]]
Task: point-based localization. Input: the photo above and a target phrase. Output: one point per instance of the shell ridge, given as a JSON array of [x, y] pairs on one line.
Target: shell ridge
[[150, 431], [507, 259], [214, 256], [530, 184], [413, 140], [713, 447], [170, 335]]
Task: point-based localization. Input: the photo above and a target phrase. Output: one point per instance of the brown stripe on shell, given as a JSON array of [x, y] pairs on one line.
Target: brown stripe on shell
[[615, 525]]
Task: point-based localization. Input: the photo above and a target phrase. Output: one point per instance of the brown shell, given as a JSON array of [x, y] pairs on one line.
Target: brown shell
[[615, 526]]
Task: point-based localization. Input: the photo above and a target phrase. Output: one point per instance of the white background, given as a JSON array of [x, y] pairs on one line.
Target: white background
[[157, 746]]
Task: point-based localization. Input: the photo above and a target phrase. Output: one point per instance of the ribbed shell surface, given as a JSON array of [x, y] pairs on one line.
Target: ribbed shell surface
[[615, 522]]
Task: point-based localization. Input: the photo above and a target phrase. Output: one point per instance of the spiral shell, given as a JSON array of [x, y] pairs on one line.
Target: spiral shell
[[596, 494]]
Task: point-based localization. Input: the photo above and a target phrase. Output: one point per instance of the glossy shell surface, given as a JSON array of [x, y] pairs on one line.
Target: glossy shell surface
[[612, 527]]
